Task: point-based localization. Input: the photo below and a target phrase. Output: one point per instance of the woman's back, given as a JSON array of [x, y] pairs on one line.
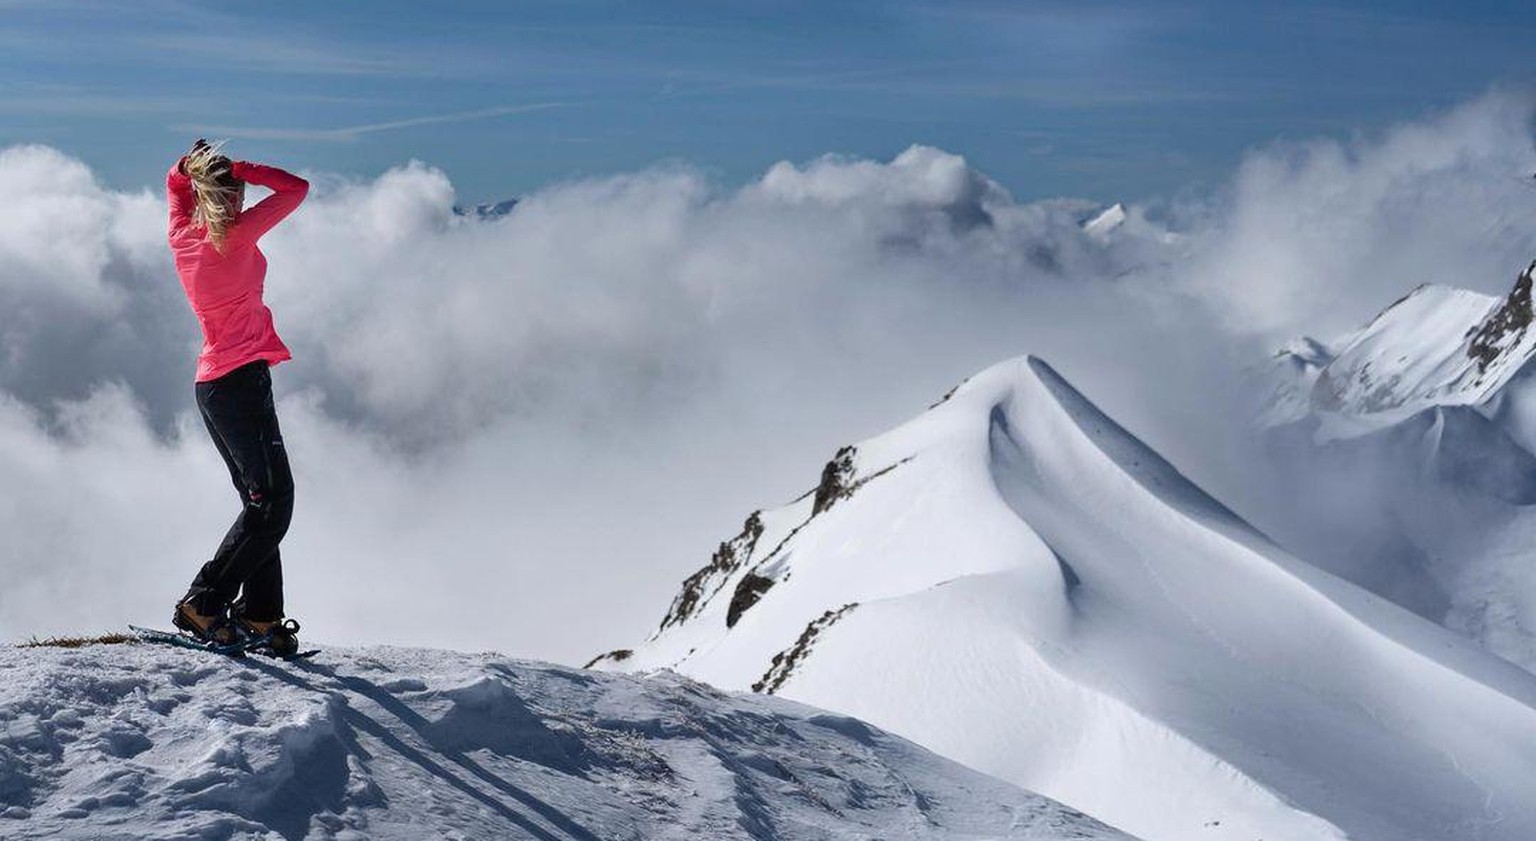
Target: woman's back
[[224, 277]]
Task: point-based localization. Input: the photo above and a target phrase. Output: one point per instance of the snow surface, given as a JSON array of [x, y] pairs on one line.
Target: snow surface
[[1016, 582], [147, 742]]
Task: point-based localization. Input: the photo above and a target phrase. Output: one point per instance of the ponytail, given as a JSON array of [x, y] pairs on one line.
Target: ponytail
[[216, 189]]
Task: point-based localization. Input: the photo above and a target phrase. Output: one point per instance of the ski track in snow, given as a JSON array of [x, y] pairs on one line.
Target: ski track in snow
[[149, 742]]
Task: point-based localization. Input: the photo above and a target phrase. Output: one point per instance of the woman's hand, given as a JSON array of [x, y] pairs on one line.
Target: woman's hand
[[197, 146], [216, 167]]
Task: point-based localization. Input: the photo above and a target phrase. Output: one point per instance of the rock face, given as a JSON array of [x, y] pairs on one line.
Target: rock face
[[1505, 328], [1016, 582], [700, 587], [137, 742], [836, 481]]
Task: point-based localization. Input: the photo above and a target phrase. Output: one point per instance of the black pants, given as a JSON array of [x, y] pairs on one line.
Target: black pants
[[238, 410]]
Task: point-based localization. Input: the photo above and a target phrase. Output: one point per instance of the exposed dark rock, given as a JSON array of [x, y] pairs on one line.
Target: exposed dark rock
[[836, 481], [949, 394], [751, 588], [1506, 326], [784, 662], [618, 655], [698, 587]]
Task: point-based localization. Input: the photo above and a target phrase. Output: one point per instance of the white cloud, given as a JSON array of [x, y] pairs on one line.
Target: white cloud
[[1321, 234], [521, 433]]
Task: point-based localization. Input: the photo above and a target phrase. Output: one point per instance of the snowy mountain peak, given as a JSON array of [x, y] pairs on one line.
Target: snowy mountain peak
[[1103, 223], [136, 741], [1436, 346], [1016, 581]]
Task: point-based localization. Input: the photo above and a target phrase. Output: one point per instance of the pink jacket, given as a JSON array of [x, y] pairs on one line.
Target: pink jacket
[[224, 287]]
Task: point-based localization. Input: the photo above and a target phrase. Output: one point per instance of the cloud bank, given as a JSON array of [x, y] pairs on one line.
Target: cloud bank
[[521, 432]]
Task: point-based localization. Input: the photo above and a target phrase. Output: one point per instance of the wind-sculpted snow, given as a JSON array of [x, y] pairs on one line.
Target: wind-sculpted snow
[[140, 742], [1041, 596]]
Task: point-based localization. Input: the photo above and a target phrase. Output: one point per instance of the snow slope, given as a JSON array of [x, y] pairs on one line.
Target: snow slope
[[1016, 582], [144, 742]]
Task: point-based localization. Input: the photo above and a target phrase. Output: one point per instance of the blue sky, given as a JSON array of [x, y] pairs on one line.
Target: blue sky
[[1104, 100]]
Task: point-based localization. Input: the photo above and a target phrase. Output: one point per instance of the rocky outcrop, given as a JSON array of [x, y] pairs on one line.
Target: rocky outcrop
[[738, 559], [784, 662], [618, 655], [836, 481], [1505, 327], [727, 560], [748, 591]]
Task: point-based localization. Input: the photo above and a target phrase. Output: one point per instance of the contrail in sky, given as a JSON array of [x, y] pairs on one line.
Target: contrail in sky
[[350, 133]]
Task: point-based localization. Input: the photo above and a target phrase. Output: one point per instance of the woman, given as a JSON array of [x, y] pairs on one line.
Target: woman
[[239, 593]]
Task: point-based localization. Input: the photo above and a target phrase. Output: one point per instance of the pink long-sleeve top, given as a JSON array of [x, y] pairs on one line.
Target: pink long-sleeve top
[[224, 285]]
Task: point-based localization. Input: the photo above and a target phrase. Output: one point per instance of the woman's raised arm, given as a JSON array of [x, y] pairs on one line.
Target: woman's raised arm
[[178, 194], [288, 190]]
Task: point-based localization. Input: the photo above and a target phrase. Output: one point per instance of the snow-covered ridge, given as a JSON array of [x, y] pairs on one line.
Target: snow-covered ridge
[[143, 742], [1017, 582]]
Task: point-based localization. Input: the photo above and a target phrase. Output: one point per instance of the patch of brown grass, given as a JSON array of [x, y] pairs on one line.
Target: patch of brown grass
[[80, 642]]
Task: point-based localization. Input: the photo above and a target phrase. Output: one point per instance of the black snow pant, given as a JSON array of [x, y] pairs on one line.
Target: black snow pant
[[238, 411]]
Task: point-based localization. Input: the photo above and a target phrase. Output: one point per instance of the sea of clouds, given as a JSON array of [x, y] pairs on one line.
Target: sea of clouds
[[521, 432]]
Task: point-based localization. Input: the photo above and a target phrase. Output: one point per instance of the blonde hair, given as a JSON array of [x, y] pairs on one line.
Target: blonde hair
[[217, 190]]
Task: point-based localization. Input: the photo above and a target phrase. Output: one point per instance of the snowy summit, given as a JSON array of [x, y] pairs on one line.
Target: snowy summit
[[1016, 582], [1437, 346], [144, 742]]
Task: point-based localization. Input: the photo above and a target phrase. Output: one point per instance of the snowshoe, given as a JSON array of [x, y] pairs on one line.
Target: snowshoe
[[280, 638], [184, 639], [213, 629]]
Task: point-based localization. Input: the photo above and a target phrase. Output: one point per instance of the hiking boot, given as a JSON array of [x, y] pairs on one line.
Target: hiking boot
[[210, 628], [282, 634]]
